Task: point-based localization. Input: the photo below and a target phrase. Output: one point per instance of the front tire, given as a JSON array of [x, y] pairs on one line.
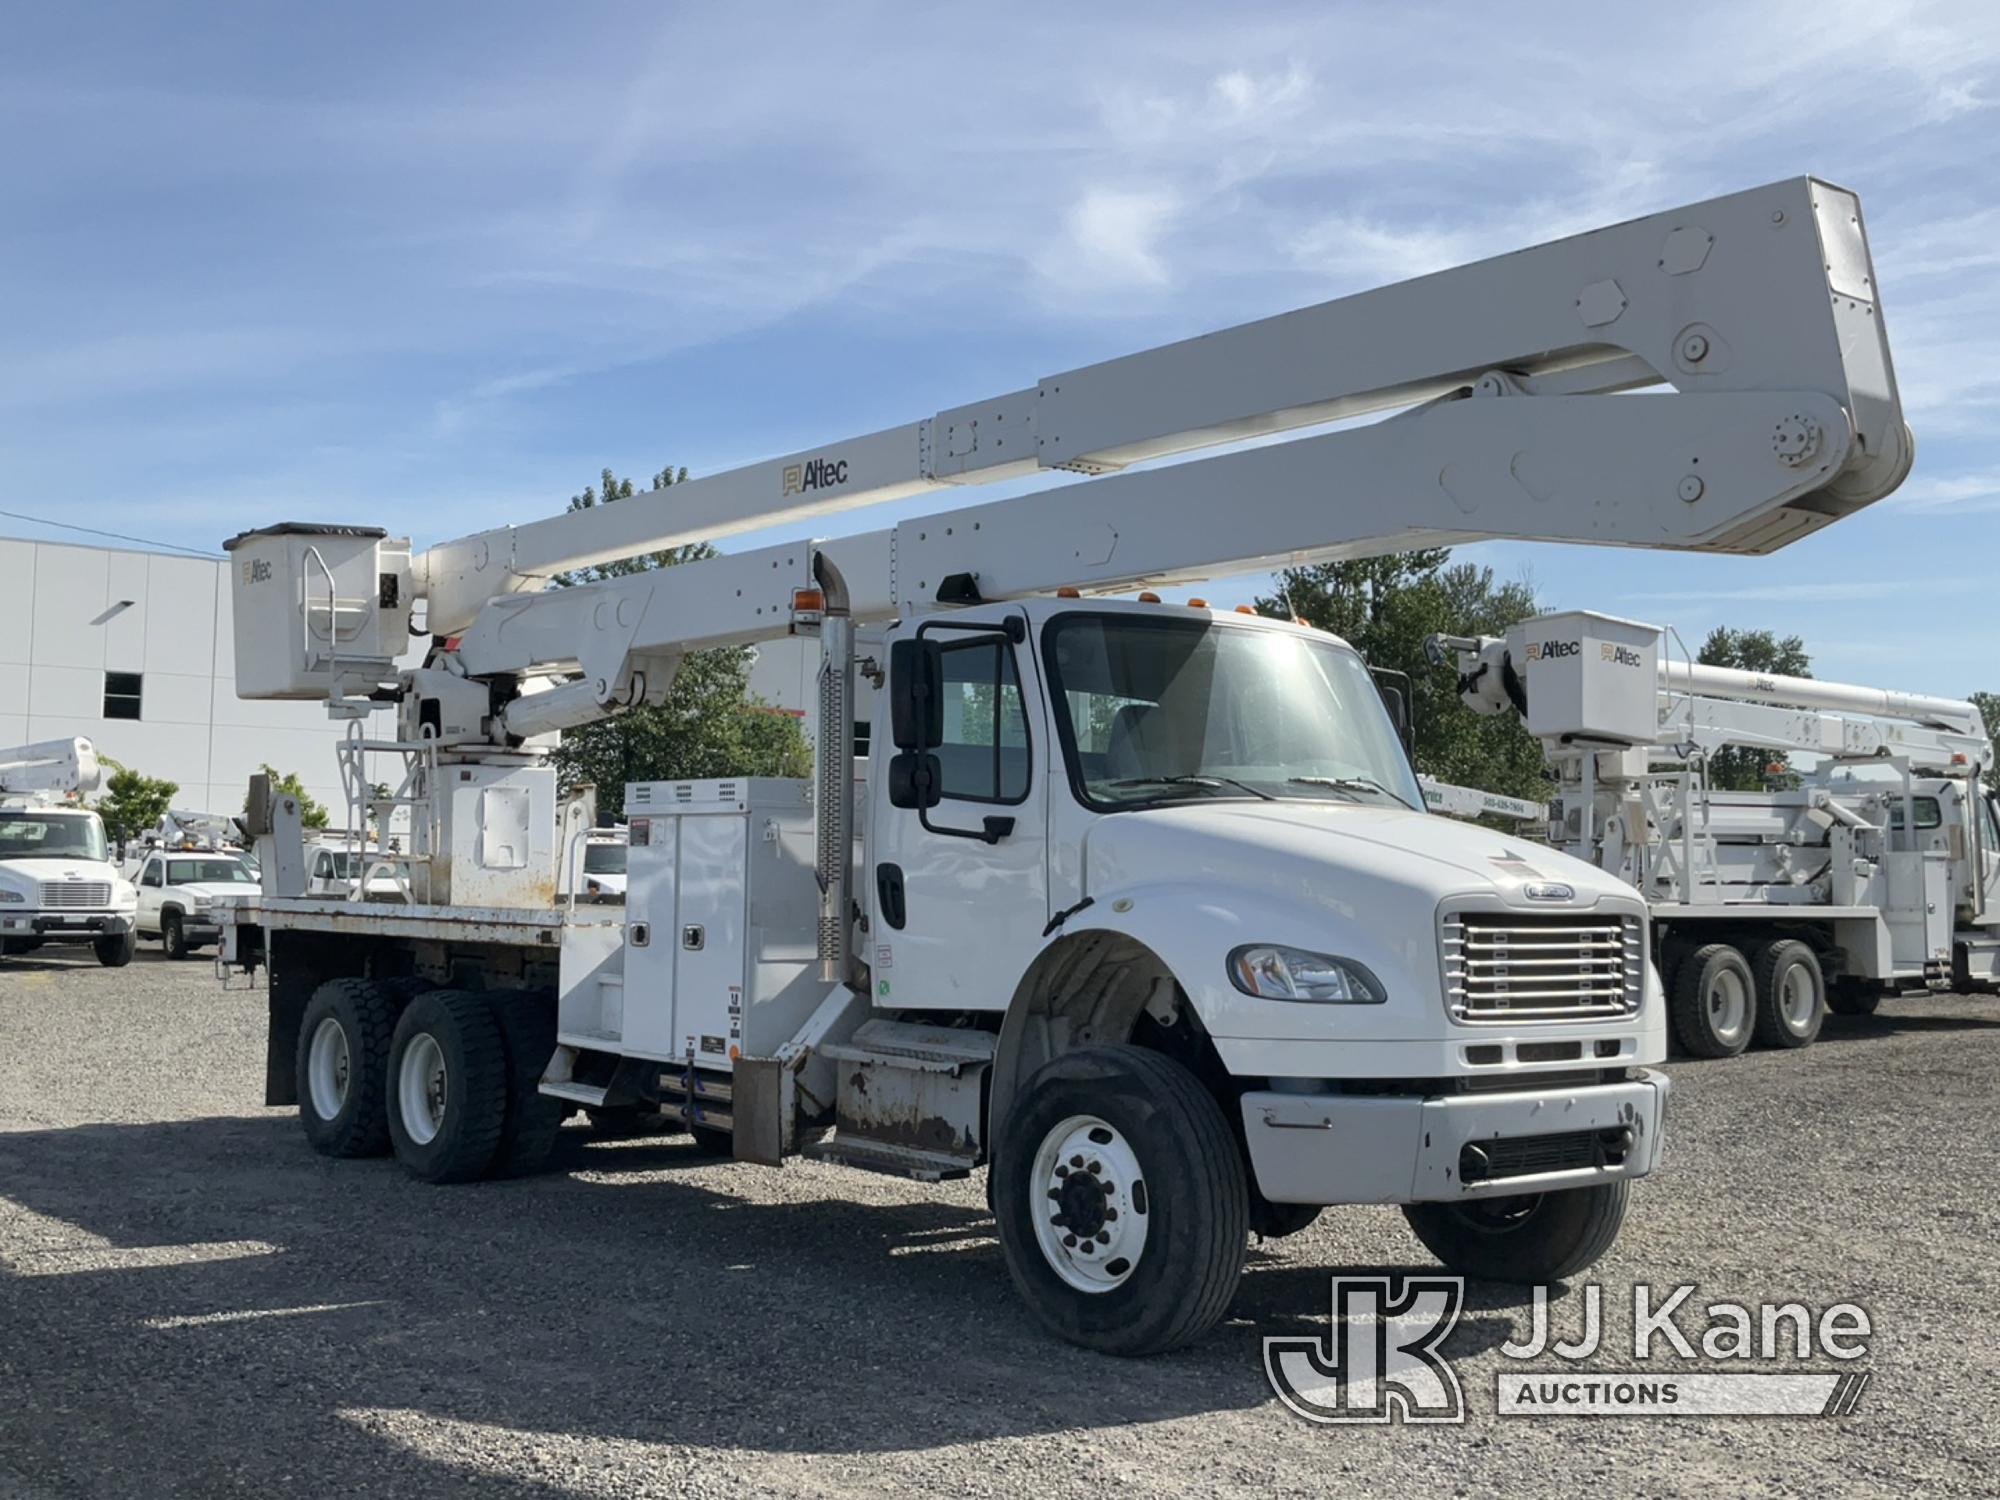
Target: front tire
[[340, 1071], [173, 935], [1791, 994], [1527, 1238], [1121, 1201], [447, 1085], [1714, 1002], [115, 951]]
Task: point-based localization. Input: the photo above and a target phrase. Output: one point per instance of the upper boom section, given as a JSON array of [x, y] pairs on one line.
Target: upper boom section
[[1770, 291]]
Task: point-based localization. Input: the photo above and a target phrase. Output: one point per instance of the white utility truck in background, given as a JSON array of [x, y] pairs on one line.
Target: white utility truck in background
[[1874, 870], [182, 892], [1138, 906], [57, 881]]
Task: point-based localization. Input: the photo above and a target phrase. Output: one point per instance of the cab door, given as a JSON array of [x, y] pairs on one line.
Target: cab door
[[959, 890], [151, 883]]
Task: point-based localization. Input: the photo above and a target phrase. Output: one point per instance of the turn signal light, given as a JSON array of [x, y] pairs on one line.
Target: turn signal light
[[808, 601]]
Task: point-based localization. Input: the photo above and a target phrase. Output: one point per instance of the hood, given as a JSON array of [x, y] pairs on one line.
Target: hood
[[1317, 849], [219, 890]]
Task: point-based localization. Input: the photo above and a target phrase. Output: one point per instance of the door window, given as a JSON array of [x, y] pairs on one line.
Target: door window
[[151, 874], [984, 756]]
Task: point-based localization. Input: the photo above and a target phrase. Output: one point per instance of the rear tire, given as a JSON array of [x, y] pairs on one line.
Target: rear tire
[[447, 1086], [628, 1122], [1528, 1238], [528, 1028], [1714, 1002], [173, 935], [1791, 994], [341, 1068], [1143, 1253], [115, 951]]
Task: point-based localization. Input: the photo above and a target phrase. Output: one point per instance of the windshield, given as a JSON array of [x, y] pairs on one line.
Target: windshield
[[40, 835], [604, 859], [207, 872], [1170, 710]]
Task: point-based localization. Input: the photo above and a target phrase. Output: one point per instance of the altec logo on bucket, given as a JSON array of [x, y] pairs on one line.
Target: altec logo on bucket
[[1382, 1358], [1551, 650]]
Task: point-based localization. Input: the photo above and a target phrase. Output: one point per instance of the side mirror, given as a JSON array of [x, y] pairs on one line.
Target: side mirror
[[1394, 688], [916, 779], [916, 696]]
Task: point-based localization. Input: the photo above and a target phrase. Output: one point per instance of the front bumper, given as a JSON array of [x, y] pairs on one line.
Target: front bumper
[[54, 926], [1441, 1148]]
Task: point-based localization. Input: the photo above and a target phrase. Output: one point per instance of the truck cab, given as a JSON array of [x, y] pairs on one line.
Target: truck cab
[[182, 892], [58, 884]]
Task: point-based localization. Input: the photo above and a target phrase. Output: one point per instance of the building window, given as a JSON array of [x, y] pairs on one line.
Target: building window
[[122, 693]]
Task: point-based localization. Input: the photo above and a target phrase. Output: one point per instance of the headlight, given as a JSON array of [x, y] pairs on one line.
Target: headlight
[[1271, 972], [13, 897], [203, 903]]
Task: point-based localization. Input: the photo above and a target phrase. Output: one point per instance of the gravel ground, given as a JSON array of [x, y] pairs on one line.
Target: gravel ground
[[192, 1303]]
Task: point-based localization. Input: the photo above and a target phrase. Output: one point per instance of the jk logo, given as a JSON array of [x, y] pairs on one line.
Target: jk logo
[[1379, 1360]]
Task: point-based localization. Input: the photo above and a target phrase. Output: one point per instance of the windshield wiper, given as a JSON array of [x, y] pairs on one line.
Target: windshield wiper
[[1206, 780], [1350, 784]]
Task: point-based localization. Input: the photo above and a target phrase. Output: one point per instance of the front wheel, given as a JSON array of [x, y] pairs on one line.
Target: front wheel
[[173, 935], [116, 950], [1121, 1201], [1526, 1238]]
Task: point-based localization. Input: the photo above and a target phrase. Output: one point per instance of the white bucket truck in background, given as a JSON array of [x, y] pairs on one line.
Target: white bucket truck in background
[[1870, 868], [57, 881]]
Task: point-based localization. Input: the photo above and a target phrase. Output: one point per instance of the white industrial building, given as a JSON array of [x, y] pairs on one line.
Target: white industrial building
[[134, 651]]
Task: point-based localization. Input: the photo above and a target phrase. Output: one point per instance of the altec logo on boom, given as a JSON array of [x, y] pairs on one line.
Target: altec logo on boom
[[815, 474]]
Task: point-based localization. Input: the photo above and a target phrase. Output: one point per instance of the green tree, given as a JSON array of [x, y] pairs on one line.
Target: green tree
[[1989, 705], [1746, 768], [289, 785], [1386, 608], [710, 723], [133, 802]]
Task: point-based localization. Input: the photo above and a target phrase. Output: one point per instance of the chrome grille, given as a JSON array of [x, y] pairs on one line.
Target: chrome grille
[[69, 895], [1509, 966]]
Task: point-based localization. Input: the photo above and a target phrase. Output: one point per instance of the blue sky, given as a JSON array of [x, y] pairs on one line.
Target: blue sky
[[433, 266]]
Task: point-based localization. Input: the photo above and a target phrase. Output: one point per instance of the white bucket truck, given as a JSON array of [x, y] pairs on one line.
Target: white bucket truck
[[57, 881], [1871, 869], [1138, 907]]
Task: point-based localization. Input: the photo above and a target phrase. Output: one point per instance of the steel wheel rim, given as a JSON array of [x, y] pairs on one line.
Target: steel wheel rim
[[420, 1088], [1088, 1202], [329, 1064], [1728, 1005], [1798, 997]]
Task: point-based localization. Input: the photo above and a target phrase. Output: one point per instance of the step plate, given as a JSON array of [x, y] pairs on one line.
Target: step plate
[[893, 1161]]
